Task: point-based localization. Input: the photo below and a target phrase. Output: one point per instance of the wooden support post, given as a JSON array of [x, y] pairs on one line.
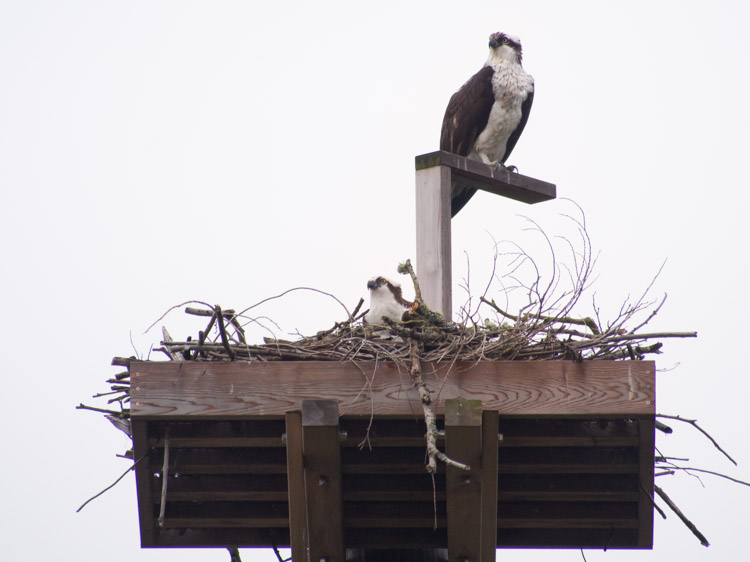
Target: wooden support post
[[436, 173], [646, 475], [296, 485], [434, 238], [463, 443], [143, 483], [323, 497], [488, 538]]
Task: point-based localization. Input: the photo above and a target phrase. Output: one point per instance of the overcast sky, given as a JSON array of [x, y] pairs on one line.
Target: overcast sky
[[155, 152]]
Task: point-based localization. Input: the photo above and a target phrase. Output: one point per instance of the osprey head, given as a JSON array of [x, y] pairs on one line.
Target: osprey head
[[385, 301], [380, 281], [505, 46]]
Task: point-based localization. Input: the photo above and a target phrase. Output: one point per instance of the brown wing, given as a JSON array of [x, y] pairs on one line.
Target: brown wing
[[467, 113], [465, 118]]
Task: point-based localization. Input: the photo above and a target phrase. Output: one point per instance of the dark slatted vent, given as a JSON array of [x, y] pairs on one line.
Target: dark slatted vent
[[561, 483]]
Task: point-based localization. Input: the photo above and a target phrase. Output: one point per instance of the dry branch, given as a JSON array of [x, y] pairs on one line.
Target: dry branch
[[694, 423], [689, 524]]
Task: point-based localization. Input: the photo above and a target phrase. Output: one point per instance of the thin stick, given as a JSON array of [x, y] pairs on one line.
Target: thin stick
[[653, 503], [406, 267], [223, 331], [694, 423], [704, 471], [588, 322], [123, 475], [164, 478], [689, 524], [100, 410]]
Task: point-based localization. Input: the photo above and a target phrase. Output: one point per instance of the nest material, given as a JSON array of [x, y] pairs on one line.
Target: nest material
[[550, 333]]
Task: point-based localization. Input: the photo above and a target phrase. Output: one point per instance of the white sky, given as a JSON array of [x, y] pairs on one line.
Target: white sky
[[155, 152]]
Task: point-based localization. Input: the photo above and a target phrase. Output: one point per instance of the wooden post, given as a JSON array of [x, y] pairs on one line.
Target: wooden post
[[296, 485], [322, 461], [646, 477], [488, 531], [434, 237], [463, 488], [436, 173]]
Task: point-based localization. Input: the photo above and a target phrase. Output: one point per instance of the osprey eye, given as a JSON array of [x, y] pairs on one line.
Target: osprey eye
[[505, 40], [382, 281]]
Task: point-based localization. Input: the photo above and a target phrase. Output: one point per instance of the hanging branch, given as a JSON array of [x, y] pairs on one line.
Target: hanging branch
[[123, 475], [689, 524], [434, 454], [694, 423]]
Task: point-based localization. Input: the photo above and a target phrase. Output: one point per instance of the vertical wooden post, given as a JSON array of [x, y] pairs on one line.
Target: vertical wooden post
[[296, 486], [463, 488], [322, 460], [143, 483], [434, 237], [490, 429], [646, 504]]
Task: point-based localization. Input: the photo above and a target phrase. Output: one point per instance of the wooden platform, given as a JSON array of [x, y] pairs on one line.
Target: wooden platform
[[561, 456]]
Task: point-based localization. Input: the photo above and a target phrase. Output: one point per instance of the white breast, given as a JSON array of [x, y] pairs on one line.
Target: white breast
[[382, 304], [511, 86]]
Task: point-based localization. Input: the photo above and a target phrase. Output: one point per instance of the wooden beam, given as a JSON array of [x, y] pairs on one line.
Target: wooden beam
[[322, 460], [296, 485], [490, 445], [482, 176], [463, 488], [646, 477], [143, 484], [434, 237], [182, 390]]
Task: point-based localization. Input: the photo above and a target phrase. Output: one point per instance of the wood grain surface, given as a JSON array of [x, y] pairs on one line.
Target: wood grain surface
[[225, 390]]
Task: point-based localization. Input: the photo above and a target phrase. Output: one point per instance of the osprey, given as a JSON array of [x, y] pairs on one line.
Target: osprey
[[386, 301], [485, 117]]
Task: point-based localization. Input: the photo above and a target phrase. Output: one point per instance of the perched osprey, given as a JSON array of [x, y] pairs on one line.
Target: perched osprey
[[386, 300], [485, 117]]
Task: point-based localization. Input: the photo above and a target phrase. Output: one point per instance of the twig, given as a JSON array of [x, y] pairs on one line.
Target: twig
[[100, 410], [223, 332], [406, 268], [123, 475], [689, 524], [694, 423], [588, 322], [703, 470], [653, 503]]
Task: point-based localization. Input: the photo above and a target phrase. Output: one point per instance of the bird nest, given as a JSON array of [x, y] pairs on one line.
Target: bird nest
[[544, 328]]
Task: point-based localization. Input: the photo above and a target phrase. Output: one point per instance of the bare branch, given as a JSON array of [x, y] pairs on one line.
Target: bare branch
[[694, 423], [689, 524]]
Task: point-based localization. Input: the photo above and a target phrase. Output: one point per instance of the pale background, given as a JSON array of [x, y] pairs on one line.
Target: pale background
[[155, 152]]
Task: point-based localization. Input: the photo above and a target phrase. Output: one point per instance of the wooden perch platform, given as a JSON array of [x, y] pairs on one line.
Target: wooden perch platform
[[436, 173], [498, 181], [329, 456]]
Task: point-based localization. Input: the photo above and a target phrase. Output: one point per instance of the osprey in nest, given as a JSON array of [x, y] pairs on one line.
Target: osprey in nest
[[486, 116], [386, 301]]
